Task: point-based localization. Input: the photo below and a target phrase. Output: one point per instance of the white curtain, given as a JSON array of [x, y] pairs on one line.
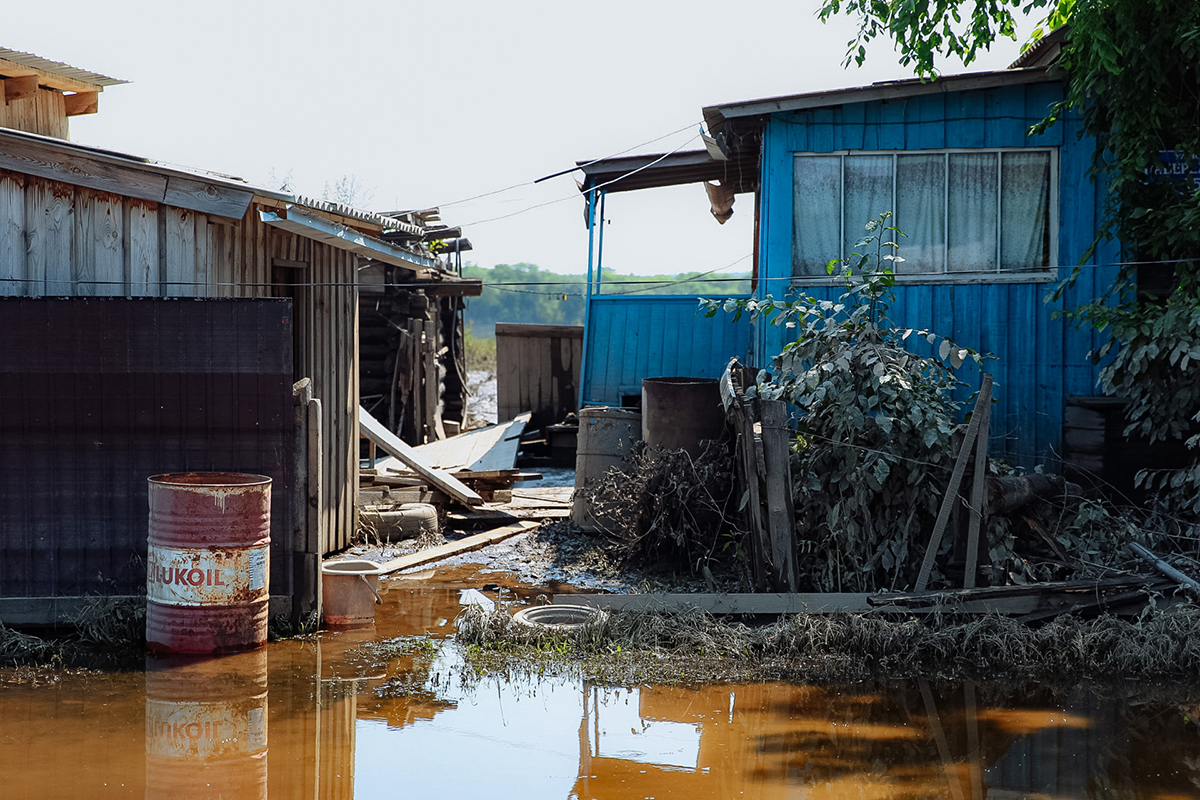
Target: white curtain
[[1024, 210], [973, 198], [868, 194], [816, 213], [921, 212]]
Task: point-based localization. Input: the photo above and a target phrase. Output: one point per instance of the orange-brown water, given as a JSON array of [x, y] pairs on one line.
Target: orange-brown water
[[316, 720]]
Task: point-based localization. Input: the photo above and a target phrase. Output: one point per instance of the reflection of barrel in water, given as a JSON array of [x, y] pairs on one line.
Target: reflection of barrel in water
[[206, 725]]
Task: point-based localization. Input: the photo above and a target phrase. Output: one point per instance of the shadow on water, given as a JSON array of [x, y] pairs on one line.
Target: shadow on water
[[362, 714]]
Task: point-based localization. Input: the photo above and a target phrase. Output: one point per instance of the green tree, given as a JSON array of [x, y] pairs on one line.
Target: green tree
[[1132, 71]]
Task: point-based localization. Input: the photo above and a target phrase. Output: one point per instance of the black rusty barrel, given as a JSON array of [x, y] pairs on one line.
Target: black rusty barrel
[[208, 562], [679, 413]]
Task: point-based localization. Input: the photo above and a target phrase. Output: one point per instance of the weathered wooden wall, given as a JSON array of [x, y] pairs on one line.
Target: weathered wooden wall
[[43, 113], [1038, 360], [537, 370], [57, 239]]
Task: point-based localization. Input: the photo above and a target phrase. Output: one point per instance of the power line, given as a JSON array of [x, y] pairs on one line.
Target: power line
[[564, 172]]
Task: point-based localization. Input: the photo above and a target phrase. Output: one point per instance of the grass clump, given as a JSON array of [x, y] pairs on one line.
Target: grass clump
[[691, 646]]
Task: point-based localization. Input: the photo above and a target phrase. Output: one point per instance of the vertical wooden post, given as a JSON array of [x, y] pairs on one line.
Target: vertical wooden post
[[308, 543], [777, 480], [978, 492], [960, 466]]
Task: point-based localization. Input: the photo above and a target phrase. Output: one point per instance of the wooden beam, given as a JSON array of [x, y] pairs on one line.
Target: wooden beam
[[734, 603], [62, 162], [60, 82], [207, 197], [20, 87], [466, 545], [392, 445], [951, 496], [978, 495], [82, 103]]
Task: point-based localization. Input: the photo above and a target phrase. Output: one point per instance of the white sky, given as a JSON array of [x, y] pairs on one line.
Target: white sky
[[432, 102]]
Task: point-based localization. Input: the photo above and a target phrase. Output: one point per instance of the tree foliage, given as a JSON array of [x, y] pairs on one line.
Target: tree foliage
[[1132, 73]]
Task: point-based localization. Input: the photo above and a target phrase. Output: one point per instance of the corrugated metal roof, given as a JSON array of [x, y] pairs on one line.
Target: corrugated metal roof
[[58, 68], [715, 117], [370, 217], [1044, 51]]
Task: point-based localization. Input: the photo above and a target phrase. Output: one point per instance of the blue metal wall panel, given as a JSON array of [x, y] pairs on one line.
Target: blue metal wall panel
[[632, 338], [1037, 360]]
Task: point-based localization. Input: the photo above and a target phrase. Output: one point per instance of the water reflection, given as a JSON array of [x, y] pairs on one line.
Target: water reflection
[[315, 719]]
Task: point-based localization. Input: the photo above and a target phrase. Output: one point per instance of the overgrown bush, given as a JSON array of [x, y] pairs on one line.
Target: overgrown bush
[[875, 422], [669, 508]]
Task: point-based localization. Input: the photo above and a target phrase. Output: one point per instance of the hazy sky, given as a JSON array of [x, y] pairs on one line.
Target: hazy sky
[[431, 103]]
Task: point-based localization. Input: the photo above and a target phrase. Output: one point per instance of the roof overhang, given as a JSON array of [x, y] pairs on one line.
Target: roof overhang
[[717, 117], [630, 173], [301, 222], [54, 74]]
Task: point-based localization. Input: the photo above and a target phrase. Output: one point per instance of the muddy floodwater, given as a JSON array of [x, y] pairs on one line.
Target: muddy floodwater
[[328, 718]]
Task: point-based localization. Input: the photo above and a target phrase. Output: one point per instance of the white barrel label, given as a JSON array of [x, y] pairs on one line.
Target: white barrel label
[[206, 730], [182, 576]]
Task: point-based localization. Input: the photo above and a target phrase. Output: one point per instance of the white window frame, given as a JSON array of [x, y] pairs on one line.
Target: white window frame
[[998, 275]]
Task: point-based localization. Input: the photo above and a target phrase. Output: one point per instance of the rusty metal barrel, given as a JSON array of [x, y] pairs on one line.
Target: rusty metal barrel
[[206, 726], [208, 562]]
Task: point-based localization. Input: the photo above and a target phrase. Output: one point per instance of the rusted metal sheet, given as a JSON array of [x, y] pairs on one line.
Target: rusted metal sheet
[[207, 561], [97, 395]]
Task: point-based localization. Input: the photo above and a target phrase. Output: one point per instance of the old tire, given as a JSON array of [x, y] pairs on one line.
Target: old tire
[[405, 522]]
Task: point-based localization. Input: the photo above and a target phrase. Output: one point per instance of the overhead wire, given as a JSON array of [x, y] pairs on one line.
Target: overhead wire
[[576, 167]]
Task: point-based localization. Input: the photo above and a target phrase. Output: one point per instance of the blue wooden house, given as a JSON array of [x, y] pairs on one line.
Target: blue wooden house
[[994, 218]]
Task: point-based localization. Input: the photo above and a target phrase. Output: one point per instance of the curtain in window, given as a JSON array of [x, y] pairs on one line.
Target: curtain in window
[[816, 213], [868, 194], [921, 212], [1024, 210], [972, 198]]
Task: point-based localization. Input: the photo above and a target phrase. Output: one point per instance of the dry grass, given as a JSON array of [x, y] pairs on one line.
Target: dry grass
[[692, 647]]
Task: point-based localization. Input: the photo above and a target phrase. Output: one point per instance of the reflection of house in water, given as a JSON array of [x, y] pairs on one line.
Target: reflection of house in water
[[776, 741]]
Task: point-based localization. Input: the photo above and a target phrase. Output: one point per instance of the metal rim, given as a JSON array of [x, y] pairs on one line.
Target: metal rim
[[212, 479], [568, 616]]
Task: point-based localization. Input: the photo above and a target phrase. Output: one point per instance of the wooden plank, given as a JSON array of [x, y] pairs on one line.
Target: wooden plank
[[69, 165], [179, 275], [451, 549], [20, 87], [141, 248], [482, 450], [960, 466], [978, 493], [392, 444], [733, 603], [12, 237], [50, 227], [81, 103], [539, 331], [780, 515], [98, 263], [207, 197]]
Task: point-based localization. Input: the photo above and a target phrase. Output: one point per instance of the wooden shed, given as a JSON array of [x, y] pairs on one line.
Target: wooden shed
[[80, 222]]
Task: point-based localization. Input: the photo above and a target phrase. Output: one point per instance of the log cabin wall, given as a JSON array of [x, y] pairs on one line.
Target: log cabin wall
[[59, 239]]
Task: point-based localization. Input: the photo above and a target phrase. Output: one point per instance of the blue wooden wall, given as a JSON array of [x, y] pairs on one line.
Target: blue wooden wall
[[1039, 360], [630, 338]]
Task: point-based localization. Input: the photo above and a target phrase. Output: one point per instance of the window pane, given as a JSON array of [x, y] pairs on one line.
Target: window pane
[[868, 194], [817, 213], [921, 212], [1025, 211], [972, 212]]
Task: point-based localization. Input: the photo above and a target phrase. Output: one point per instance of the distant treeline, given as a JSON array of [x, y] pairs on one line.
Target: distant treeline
[[525, 293]]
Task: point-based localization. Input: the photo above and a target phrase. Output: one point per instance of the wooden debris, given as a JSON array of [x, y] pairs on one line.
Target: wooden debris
[[393, 445], [451, 549], [951, 495], [1167, 569]]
